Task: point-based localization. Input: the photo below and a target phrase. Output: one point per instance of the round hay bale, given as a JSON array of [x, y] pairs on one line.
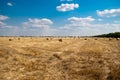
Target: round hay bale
[[10, 39], [60, 40], [95, 38], [18, 38], [47, 38], [110, 39]]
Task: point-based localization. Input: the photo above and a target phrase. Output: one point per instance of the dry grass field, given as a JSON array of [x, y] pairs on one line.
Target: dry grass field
[[27, 58]]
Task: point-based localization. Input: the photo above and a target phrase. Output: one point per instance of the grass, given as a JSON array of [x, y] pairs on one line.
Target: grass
[[71, 59]]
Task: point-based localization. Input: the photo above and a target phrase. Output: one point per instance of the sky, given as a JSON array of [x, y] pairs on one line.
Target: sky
[[59, 17]]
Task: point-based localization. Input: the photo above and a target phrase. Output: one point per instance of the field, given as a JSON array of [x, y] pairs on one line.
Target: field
[[26, 58]]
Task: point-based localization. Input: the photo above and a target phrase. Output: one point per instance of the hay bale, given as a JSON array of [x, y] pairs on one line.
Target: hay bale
[[10, 39], [110, 39], [85, 39], [47, 38], [18, 38], [95, 38], [117, 38], [60, 40]]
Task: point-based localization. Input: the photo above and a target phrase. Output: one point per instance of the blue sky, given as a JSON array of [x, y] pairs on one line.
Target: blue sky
[[59, 17]]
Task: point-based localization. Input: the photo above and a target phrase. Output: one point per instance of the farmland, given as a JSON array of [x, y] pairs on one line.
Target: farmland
[[35, 58]]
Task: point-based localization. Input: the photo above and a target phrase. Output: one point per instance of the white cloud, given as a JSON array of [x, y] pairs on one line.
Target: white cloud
[[32, 27], [2, 23], [77, 19], [88, 26], [81, 26], [3, 17], [37, 27], [67, 7], [90, 29], [109, 13], [40, 23], [9, 4]]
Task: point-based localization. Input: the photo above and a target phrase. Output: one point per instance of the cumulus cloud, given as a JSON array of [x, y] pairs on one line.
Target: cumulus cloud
[[32, 27], [9, 4], [109, 13], [88, 26], [37, 27], [40, 23], [77, 19], [67, 7], [2, 24], [76, 26], [2, 17]]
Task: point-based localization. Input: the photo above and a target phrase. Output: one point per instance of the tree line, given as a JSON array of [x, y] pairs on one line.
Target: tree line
[[112, 35]]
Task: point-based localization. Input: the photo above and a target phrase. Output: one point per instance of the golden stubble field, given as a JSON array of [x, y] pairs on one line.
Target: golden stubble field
[[27, 58]]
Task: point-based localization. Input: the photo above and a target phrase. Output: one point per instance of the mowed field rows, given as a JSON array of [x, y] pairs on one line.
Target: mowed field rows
[[26, 58]]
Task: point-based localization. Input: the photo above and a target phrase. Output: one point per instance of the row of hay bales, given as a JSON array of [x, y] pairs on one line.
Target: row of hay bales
[[10, 39], [114, 38], [101, 38], [60, 39]]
